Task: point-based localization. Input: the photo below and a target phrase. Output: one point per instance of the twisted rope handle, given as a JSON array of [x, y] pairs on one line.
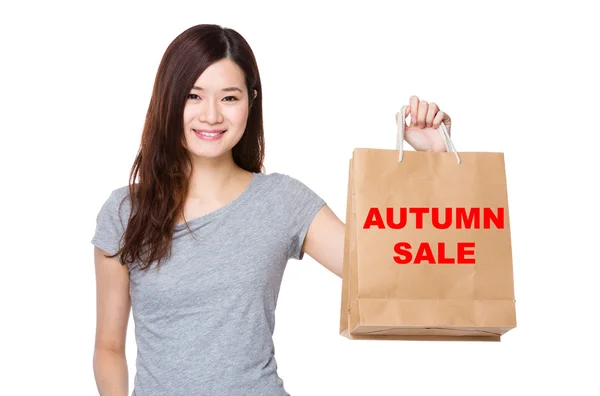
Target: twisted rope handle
[[441, 129]]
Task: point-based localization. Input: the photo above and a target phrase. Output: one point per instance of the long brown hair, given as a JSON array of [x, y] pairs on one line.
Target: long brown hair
[[162, 162]]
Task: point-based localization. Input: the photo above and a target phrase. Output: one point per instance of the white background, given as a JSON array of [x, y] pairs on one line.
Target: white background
[[516, 77]]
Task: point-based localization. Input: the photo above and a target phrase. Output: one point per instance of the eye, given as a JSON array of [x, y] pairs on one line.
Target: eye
[[226, 99]]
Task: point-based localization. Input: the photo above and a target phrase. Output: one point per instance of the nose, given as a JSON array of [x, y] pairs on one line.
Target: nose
[[210, 113]]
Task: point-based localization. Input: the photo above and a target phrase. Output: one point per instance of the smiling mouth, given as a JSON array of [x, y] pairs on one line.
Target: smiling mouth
[[209, 134]]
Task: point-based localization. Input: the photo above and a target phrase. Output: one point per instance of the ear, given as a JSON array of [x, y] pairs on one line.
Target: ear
[[255, 93]]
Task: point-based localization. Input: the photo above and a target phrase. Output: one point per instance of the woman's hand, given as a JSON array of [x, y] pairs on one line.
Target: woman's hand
[[422, 134]]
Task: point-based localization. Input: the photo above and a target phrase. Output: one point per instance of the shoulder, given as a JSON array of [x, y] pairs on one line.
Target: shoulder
[[283, 182], [119, 197], [120, 193], [116, 206], [291, 191], [274, 178]]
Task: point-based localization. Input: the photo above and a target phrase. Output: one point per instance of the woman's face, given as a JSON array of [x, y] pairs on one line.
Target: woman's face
[[218, 102]]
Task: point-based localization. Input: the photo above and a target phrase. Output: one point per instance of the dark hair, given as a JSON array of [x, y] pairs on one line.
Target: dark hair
[[162, 162]]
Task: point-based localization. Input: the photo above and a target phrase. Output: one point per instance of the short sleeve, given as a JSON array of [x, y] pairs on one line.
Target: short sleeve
[[109, 224], [302, 204]]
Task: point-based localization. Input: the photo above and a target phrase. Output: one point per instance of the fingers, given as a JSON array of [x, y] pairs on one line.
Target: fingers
[[423, 105], [419, 112], [406, 113], [442, 117], [414, 108], [426, 115], [432, 110], [439, 117]]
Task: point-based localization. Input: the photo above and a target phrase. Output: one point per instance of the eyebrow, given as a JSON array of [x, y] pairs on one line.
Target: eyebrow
[[228, 89]]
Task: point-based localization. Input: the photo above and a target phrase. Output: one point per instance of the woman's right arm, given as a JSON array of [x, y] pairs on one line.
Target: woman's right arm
[[112, 316]]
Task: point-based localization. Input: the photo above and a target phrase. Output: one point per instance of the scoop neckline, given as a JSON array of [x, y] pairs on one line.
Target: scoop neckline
[[223, 209]]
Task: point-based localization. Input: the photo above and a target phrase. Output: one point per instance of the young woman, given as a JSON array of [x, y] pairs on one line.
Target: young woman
[[198, 245]]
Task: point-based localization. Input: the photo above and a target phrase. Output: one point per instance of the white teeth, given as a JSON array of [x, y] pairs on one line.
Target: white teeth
[[209, 134]]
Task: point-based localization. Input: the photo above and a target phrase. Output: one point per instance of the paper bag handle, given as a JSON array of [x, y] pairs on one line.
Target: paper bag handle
[[441, 129]]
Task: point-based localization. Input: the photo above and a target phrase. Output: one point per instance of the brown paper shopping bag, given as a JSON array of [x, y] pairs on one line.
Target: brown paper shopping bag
[[428, 247]]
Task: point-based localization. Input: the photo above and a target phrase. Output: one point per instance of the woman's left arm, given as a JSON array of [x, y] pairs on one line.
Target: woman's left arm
[[324, 240]]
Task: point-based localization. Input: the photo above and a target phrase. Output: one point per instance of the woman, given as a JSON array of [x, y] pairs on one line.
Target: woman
[[200, 252]]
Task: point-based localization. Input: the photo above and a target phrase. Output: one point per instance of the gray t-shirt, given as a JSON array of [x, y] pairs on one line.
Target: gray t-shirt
[[204, 321]]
